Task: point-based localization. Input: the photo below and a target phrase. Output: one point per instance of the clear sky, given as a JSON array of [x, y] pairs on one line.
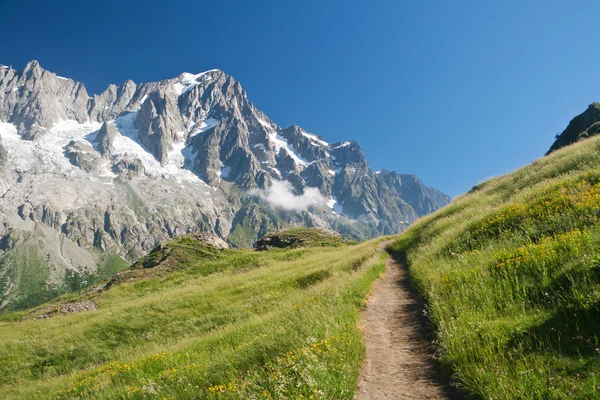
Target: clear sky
[[452, 91]]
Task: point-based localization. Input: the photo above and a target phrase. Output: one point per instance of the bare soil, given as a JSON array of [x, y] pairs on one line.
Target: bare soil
[[399, 362]]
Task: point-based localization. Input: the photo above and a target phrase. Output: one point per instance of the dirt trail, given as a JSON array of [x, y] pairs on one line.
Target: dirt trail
[[398, 364]]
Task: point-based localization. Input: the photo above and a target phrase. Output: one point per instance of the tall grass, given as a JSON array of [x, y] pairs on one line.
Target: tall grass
[[511, 276], [232, 324]]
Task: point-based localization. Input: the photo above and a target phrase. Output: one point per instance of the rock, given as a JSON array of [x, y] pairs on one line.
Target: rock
[[36, 98], [105, 138], [113, 101], [82, 306], [210, 238], [129, 166], [66, 308], [158, 121], [82, 155], [584, 125], [3, 155]]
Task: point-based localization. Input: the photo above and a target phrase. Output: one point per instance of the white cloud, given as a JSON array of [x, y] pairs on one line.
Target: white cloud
[[281, 195]]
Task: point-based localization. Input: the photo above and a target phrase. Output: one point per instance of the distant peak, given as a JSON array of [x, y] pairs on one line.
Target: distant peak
[[187, 76], [33, 65], [187, 81]]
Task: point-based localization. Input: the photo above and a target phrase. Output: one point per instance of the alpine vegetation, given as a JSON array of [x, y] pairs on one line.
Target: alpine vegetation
[[511, 275], [192, 321]]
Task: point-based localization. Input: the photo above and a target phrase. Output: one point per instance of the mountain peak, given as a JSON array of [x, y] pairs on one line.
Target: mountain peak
[[140, 163], [33, 64]]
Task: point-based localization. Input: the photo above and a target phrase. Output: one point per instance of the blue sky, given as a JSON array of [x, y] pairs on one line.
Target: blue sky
[[452, 91]]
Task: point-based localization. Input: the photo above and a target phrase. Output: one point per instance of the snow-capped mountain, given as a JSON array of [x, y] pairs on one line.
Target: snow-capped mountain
[[85, 180]]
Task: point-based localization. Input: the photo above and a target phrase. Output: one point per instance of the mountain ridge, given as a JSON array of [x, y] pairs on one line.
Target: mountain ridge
[[120, 171]]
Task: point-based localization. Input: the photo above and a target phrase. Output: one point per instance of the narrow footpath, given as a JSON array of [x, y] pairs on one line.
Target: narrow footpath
[[398, 364]]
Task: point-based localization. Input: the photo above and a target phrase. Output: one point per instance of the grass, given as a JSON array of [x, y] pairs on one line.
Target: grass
[[511, 276], [303, 237], [213, 324], [26, 279]]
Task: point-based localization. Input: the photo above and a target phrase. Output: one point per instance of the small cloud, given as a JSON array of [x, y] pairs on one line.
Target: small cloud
[[281, 195]]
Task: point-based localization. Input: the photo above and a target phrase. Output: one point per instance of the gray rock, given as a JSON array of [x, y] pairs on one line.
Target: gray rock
[[35, 99], [105, 137], [129, 166], [210, 238], [69, 308], [83, 155]]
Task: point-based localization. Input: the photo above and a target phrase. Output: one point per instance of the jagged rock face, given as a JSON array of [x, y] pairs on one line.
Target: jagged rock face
[[82, 155], [35, 99], [584, 125], [105, 138], [83, 177]]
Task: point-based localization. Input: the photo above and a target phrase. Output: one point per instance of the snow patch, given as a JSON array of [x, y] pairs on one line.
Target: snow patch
[[46, 153], [127, 144], [281, 143], [314, 138], [332, 172], [188, 81], [224, 172], [203, 126], [260, 146], [343, 145]]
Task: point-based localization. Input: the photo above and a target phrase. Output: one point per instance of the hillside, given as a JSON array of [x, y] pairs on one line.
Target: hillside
[[90, 183], [191, 321], [511, 275]]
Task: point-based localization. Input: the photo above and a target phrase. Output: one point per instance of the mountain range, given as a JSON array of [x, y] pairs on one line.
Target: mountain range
[[91, 183]]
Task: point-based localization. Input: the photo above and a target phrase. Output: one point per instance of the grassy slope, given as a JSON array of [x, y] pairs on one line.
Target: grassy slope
[[306, 237], [511, 273], [230, 324], [26, 272]]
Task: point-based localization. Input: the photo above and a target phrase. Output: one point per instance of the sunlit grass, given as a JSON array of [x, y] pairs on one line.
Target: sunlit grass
[[233, 324], [511, 275]]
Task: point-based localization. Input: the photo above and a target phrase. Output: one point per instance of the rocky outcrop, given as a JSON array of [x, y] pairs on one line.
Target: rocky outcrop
[[158, 122], [82, 155], [208, 238], [105, 137], [584, 125], [113, 101]]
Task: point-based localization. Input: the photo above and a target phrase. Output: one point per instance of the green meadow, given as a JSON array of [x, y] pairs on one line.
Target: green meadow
[[190, 322], [511, 276]]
